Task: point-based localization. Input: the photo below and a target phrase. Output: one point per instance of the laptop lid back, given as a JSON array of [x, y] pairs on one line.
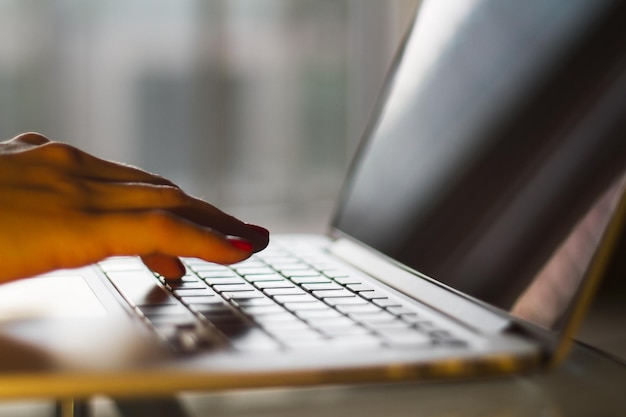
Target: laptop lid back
[[501, 124]]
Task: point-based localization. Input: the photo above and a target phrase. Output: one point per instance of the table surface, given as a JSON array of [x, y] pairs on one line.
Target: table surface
[[589, 383]]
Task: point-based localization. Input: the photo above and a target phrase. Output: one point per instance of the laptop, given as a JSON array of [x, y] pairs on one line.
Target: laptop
[[454, 252]]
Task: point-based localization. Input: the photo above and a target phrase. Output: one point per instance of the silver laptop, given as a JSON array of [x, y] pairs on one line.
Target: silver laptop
[[451, 252]]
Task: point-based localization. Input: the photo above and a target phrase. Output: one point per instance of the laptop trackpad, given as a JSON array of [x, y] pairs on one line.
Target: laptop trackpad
[[57, 321], [49, 297]]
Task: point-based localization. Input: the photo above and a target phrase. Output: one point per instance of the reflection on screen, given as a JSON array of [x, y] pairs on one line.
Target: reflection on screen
[[461, 176]]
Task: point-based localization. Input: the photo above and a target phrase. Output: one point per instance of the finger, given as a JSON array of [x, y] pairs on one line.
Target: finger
[[199, 213], [169, 266], [129, 197], [119, 196], [160, 232]]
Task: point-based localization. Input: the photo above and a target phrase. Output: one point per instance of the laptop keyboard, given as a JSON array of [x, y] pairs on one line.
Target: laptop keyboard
[[272, 301]]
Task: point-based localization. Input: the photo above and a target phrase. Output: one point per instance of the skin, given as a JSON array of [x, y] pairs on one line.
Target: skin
[[63, 208]]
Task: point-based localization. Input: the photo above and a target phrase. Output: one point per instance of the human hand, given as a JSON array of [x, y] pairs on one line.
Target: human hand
[[62, 208]]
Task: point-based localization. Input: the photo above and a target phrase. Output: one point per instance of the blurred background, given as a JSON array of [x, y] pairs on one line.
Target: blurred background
[[254, 105]]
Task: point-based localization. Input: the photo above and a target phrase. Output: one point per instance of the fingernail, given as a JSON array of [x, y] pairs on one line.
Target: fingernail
[[240, 243], [260, 230]]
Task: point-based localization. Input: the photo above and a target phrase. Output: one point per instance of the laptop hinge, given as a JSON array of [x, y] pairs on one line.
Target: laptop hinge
[[419, 287]]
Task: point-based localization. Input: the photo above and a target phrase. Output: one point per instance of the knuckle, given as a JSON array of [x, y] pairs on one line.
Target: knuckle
[[32, 138], [172, 195], [63, 153]]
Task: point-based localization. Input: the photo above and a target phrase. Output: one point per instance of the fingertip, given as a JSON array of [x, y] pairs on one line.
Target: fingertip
[[168, 266], [261, 236], [261, 231]]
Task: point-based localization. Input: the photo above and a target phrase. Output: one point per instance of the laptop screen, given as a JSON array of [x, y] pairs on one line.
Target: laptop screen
[[487, 145]]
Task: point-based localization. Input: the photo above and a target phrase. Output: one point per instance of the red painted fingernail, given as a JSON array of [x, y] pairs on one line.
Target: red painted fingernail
[[240, 244]]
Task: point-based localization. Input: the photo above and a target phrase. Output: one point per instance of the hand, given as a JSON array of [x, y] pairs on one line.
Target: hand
[[62, 208]]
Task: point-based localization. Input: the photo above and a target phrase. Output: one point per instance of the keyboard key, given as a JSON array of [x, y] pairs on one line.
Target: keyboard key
[[310, 280], [225, 281], [391, 325], [176, 285], [249, 264], [262, 278], [291, 330], [233, 287], [283, 291], [166, 309], [372, 295], [325, 322], [290, 266], [333, 294], [326, 313], [302, 298], [231, 326], [279, 318], [208, 299], [206, 268], [359, 308], [210, 310], [345, 301], [242, 295], [301, 273], [322, 286], [374, 318], [174, 320], [288, 334], [414, 319], [245, 303], [400, 310], [299, 306], [227, 273], [255, 271], [360, 287], [263, 309], [335, 273], [280, 259], [343, 331], [184, 278], [347, 280], [273, 284], [387, 302], [184, 292]]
